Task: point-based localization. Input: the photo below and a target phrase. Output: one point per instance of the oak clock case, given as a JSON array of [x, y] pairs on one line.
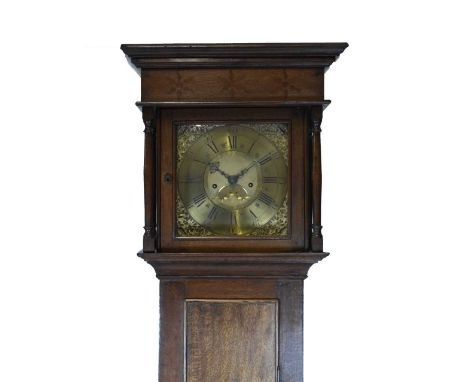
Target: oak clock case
[[229, 189], [232, 191]]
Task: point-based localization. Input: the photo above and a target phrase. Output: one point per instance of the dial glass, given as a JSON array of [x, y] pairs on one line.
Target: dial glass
[[232, 179]]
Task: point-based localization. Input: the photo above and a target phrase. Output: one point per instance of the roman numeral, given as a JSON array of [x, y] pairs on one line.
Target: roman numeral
[[192, 156], [273, 179], [198, 200], [232, 142], [191, 180], [268, 157], [254, 216], [212, 145], [267, 199], [213, 213], [251, 147], [200, 161]]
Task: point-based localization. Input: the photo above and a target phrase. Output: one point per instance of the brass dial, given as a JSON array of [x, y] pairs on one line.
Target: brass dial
[[232, 180]]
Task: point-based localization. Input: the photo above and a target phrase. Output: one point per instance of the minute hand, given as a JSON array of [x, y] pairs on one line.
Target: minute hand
[[245, 170]]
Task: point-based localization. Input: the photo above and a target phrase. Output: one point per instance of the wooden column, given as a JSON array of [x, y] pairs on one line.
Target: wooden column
[[316, 241], [150, 119]]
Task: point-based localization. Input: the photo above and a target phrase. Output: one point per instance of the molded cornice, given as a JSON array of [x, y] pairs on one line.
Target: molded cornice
[[287, 55]]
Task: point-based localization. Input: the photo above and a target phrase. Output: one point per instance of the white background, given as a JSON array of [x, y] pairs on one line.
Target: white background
[[389, 304]]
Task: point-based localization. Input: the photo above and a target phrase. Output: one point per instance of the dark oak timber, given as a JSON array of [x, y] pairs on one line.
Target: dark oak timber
[[244, 332], [298, 55], [171, 340], [232, 265], [298, 238], [245, 104], [232, 84], [231, 308], [316, 242], [176, 341], [291, 294], [150, 119]]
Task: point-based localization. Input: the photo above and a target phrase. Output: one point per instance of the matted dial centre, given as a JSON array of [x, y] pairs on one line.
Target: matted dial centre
[[232, 180]]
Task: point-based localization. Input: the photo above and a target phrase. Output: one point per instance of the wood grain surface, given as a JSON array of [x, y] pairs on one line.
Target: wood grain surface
[[231, 309], [171, 345], [231, 340], [296, 240], [258, 55], [232, 84]]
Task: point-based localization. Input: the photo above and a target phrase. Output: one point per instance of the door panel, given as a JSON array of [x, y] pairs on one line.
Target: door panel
[[231, 340]]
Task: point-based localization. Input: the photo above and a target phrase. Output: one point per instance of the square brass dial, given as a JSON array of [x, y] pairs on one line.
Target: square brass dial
[[232, 179]]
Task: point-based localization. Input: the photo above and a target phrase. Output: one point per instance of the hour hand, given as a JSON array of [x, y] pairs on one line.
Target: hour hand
[[232, 179], [214, 167]]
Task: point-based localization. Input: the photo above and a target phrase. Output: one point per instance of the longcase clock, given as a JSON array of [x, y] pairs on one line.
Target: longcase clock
[[232, 181]]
